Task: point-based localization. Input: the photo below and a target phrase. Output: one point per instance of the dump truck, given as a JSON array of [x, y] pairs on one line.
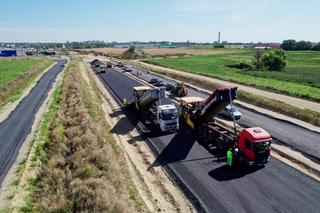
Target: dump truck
[[250, 146], [147, 101], [179, 89]]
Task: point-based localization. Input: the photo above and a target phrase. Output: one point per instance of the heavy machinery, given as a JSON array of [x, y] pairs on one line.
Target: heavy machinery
[[179, 90], [250, 146], [163, 115]]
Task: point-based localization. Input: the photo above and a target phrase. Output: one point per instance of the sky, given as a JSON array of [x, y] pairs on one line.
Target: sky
[[159, 20]]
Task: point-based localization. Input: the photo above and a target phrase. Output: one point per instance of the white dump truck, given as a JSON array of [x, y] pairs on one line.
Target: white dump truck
[[148, 103]]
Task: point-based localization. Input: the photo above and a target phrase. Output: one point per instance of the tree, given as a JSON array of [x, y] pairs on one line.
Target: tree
[[316, 47], [303, 45], [256, 60], [289, 44], [274, 61]]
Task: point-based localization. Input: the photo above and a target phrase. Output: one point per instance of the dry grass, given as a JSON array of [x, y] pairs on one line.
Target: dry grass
[[159, 52], [81, 168]]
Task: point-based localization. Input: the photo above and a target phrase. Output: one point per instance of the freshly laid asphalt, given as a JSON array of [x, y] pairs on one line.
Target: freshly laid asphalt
[[273, 188], [15, 129], [298, 138]]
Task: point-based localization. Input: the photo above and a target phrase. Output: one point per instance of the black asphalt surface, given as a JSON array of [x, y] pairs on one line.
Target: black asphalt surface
[[298, 138], [126, 84], [14, 130], [273, 188]]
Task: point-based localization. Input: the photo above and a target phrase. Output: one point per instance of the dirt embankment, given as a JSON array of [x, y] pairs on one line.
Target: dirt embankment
[[157, 52]]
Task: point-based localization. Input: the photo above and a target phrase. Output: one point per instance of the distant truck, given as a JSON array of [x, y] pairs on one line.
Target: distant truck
[[103, 68], [109, 64], [230, 111], [165, 116]]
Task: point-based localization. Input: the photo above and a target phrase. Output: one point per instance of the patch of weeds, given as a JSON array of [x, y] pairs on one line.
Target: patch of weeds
[[15, 182], [10, 197], [33, 181], [134, 196], [21, 165], [115, 147], [5, 209], [59, 132]]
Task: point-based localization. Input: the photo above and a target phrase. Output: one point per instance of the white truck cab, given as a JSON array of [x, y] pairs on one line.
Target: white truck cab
[[167, 118]]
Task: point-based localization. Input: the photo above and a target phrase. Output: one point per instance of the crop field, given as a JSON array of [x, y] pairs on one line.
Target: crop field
[[301, 76], [16, 74], [160, 52], [11, 68]]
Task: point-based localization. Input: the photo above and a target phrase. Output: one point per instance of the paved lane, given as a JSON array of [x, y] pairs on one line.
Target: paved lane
[[14, 130], [273, 188], [298, 138]]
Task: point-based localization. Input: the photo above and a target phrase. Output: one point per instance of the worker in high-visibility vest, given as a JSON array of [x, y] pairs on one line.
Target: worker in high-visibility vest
[[229, 157], [125, 101]]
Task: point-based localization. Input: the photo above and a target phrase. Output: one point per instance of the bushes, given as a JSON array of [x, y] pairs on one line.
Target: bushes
[[316, 47], [241, 66], [274, 61], [291, 44]]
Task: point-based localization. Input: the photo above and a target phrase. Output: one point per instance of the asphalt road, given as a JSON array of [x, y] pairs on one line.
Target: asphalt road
[[273, 188], [298, 138], [15, 129]]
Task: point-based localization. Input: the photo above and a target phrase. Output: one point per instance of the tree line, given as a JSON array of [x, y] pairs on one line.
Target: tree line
[[292, 44]]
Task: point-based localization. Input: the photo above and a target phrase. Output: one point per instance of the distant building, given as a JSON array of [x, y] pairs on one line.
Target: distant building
[[234, 46], [8, 53], [167, 45], [264, 46]]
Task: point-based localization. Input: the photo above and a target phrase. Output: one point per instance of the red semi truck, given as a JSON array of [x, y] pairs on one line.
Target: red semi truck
[[250, 146]]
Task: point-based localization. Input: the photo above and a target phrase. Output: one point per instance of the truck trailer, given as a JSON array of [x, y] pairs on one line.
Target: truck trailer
[[250, 146], [147, 101]]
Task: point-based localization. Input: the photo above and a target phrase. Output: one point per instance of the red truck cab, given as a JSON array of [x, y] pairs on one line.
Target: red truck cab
[[254, 145]]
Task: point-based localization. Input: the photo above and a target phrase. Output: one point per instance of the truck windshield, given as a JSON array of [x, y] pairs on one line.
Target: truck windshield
[[169, 116], [263, 145]]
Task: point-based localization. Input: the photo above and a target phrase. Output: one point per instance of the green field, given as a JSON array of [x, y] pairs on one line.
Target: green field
[[300, 78], [16, 74]]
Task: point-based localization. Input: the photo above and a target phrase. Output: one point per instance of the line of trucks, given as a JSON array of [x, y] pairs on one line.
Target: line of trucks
[[250, 146]]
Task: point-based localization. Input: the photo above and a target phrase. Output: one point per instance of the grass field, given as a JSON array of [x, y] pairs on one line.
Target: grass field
[[16, 74], [300, 78]]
